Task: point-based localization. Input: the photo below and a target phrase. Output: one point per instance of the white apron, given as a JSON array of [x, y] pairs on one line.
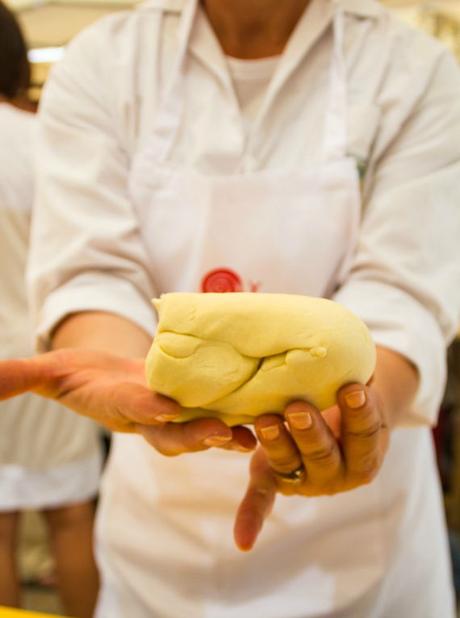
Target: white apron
[[164, 533]]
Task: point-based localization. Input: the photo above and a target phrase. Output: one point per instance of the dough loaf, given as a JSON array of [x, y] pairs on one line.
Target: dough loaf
[[235, 356]]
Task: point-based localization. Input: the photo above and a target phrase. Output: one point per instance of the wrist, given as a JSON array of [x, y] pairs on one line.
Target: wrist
[[395, 382], [106, 332]]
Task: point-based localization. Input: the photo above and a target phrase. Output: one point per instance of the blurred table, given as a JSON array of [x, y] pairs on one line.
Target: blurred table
[[7, 612]]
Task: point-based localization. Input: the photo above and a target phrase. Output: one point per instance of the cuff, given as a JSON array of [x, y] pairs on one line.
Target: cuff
[[93, 293], [397, 321]]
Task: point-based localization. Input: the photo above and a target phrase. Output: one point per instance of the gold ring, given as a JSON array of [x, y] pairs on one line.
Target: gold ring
[[296, 476]]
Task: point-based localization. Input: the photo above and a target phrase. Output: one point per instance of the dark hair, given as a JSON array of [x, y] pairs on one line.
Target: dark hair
[[14, 64]]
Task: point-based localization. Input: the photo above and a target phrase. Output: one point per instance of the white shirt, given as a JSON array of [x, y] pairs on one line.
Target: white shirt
[[251, 79]]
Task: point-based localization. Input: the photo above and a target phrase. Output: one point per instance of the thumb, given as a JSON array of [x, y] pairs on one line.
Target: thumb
[[256, 504]]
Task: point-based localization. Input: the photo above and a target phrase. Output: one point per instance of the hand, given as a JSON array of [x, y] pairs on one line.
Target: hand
[[333, 454], [111, 390]]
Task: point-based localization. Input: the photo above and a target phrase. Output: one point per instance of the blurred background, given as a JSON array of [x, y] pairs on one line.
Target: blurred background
[[49, 26]]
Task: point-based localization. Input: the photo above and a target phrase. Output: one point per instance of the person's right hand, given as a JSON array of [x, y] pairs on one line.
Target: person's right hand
[[112, 391]]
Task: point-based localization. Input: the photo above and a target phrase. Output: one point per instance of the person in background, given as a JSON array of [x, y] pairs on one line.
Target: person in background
[[187, 143], [49, 458]]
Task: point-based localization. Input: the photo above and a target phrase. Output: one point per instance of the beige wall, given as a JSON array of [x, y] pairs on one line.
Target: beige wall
[[54, 23]]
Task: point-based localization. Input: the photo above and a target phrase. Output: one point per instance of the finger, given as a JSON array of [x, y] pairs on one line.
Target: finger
[[362, 431], [243, 440], [256, 504], [178, 438], [140, 405], [280, 449], [319, 449], [332, 418]]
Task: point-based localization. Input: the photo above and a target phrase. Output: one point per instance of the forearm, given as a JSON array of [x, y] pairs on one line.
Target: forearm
[[396, 381], [102, 331]]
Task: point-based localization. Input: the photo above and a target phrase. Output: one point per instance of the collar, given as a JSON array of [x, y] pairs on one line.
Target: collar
[[317, 17], [168, 6], [369, 9]]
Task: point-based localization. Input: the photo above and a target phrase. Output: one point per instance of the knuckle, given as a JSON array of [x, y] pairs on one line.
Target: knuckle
[[285, 461], [367, 432], [319, 453]]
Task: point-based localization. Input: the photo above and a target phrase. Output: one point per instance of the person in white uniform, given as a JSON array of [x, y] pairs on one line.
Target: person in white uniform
[[294, 147], [50, 459]]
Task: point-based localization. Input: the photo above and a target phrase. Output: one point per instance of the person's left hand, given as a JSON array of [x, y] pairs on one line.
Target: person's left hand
[[314, 455]]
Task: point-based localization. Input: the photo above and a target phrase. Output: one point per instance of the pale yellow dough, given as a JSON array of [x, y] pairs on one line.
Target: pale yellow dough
[[235, 356]]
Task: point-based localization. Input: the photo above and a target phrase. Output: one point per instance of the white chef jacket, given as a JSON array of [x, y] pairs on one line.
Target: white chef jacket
[[98, 110], [48, 456]]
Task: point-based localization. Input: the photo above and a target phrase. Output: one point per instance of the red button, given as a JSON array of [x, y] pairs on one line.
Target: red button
[[221, 280]]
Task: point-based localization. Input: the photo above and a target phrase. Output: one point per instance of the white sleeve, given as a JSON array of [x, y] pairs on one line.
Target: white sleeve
[[405, 280], [86, 250]]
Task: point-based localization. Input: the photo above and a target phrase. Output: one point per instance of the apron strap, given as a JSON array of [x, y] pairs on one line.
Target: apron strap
[[335, 126], [172, 101]]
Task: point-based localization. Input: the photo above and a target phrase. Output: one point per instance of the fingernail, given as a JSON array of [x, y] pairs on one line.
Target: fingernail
[[270, 433], [216, 440], [167, 418], [300, 420], [355, 399]]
